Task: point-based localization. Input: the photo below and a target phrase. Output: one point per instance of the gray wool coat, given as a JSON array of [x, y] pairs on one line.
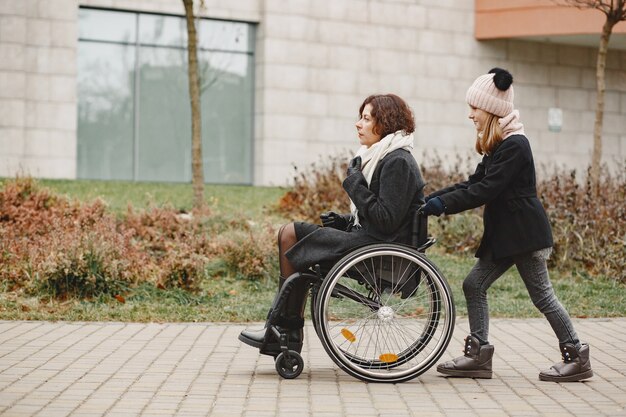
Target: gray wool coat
[[386, 210]]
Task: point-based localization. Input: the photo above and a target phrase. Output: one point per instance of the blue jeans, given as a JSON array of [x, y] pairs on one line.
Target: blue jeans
[[534, 272]]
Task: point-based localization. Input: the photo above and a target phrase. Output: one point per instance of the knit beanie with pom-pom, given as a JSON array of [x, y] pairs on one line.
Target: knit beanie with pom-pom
[[492, 92]]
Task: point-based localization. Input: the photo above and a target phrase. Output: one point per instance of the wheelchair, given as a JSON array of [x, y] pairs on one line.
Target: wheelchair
[[383, 313]]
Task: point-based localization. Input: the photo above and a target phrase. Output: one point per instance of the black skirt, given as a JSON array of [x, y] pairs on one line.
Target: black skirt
[[324, 245], [304, 229]]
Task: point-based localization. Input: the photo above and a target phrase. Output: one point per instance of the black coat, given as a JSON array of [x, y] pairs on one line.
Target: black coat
[[514, 220], [386, 210], [387, 206]]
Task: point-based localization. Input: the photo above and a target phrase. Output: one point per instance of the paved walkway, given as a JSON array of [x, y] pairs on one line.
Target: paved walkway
[[185, 369]]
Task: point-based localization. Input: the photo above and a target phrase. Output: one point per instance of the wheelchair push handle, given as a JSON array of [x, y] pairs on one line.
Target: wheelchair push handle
[[419, 229]]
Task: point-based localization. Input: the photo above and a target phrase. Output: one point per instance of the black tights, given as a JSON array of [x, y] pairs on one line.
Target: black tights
[[286, 239]]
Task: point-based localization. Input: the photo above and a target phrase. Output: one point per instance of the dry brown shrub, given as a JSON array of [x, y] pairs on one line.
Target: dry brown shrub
[[437, 176], [317, 189], [588, 223], [251, 254], [62, 248]]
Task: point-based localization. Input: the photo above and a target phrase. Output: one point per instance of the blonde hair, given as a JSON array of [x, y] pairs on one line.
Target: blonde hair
[[490, 137]]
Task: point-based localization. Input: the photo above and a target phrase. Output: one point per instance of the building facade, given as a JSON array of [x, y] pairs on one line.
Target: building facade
[[96, 88]]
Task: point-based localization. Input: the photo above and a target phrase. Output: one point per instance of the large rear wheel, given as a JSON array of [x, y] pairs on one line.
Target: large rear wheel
[[384, 313]]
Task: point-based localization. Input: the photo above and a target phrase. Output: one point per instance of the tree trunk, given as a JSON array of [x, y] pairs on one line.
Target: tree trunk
[[197, 174], [596, 158]]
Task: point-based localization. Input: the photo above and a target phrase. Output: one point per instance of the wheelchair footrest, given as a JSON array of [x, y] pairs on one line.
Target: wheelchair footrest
[[279, 340]]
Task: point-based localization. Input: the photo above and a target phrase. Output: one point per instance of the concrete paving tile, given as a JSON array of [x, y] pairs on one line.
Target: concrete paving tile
[[189, 369]]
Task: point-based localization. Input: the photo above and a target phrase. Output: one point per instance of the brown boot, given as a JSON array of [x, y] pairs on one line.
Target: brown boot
[[575, 366], [475, 363]]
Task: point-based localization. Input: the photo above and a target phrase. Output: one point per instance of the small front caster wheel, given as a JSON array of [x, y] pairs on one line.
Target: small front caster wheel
[[289, 364]]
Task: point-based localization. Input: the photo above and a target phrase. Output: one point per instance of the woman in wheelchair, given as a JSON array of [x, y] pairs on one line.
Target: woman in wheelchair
[[384, 185], [516, 231]]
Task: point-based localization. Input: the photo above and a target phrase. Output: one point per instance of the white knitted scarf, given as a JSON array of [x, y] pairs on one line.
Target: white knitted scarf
[[372, 155]]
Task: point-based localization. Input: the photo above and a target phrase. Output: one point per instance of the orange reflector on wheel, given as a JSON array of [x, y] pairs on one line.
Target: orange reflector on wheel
[[388, 357], [350, 337]]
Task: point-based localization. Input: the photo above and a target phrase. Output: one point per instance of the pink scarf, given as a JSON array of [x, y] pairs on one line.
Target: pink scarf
[[511, 125]]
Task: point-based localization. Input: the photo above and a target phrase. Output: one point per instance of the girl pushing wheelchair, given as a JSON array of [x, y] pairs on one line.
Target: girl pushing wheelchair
[[516, 232]]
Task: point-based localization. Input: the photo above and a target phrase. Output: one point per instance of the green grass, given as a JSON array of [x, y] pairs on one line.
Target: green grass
[[224, 297], [227, 299], [507, 297], [224, 300], [240, 200]]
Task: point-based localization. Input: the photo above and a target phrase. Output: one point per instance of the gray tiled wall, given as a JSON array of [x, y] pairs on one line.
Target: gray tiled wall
[[315, 63]]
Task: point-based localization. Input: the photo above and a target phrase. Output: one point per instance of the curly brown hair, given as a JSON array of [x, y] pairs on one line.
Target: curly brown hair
[[391, 113]]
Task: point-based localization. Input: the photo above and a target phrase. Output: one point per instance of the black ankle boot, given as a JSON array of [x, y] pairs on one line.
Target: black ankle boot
[[286, 316], [575, 366], [266, 340], [475, 363], [254, 338]]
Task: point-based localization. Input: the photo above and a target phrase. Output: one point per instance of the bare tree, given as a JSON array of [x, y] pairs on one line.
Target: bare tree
[[197, 171], [615, 12]]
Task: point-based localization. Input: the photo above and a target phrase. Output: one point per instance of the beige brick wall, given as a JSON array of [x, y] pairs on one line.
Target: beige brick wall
[[315, 63], [222, 9], [37, 88]]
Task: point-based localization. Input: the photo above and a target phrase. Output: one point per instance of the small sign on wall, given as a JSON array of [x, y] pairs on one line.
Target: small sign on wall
[[555, 119]]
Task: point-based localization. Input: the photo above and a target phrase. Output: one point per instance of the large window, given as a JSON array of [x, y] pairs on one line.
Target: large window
[[134, 115]]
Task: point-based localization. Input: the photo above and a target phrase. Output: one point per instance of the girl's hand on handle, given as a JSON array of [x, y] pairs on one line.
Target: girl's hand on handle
[[434, 207]]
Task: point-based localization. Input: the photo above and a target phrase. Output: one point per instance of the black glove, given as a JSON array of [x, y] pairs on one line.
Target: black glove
[[334, 220], [434, 207], [354, 166]]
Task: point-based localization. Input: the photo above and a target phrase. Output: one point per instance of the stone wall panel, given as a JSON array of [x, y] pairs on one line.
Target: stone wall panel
[[314, 65]]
